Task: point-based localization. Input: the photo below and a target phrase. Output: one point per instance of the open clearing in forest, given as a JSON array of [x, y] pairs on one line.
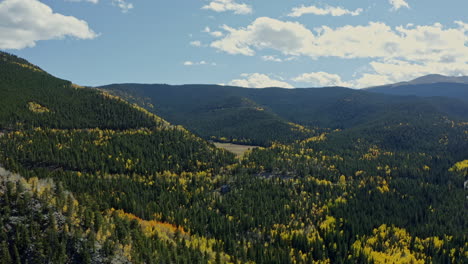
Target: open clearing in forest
[[239, 150]]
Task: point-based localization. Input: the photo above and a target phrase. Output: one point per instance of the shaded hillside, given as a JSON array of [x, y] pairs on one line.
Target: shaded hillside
[[442, 89], [31, 97], [214, 112], [428, 86], [433, 78], [438, 78], [222, 111], [42, 222], [107, 158]]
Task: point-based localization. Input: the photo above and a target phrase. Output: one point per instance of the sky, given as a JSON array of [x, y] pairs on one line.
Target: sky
[[249, 43]]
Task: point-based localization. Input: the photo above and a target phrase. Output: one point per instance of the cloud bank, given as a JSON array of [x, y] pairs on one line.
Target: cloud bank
[[321, 79], [24, 22], [258, 80], [397, 53]]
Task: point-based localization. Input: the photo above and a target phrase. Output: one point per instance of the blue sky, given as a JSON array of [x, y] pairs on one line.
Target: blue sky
[[251, 43]]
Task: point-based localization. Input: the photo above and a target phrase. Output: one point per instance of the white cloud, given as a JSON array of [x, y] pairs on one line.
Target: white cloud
[[398, 53], [287, 37], [123, 5], [216, 34], [271, 58], [24, 22], [321, 79], [391, 71], [397, 4], [375, 40], [258, 80], [202, 62], [91, 1], [293, 58], [195, 43], [369, 79], [328, 10], [228, 5], [385, 72], [462, 25]]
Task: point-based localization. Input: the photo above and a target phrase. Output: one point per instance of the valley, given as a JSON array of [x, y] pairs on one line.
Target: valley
[[239, 150], [128, 173]]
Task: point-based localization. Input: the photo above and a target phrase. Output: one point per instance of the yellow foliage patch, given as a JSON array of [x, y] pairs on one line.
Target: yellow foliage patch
[[76, 86], [37, 108], [167, 232], [460, 166], [27, 66], [392, 245]]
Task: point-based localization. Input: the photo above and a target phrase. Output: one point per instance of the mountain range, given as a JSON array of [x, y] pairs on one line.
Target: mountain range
[[260, 116], [428, 86]]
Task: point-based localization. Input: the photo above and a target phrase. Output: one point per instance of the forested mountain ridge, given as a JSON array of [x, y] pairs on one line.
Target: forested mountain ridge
[[432, 78], [442, 89], [36, 103], [215, 113], [387, 189], [32, 97], [202, 109], [52, 128]]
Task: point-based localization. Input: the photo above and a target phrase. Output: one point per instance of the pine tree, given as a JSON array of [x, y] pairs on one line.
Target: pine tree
[[6, 257]]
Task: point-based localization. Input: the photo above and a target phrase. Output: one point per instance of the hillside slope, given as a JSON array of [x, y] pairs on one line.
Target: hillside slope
[[104, 155], [386, 188], [451, 90], [211, 110], [32, 97]]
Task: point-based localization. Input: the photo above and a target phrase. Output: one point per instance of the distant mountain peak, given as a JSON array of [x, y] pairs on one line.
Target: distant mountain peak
[[438, 78], [428, 86], [430, 79]]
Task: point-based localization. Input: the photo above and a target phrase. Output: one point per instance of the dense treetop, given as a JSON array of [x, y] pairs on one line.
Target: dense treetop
[[262, 116]]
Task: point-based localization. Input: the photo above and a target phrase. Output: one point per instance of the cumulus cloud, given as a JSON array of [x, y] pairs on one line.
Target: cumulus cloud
[[414, 48], [288, 37], [370, 79], [374, 40], [328, 10], [192, 63], [321, 79], [228, 5], [216, 34], [397, 4], [385, 72], [391, 71], [196, 43], [123, 5], [258, 80], [271, 58], [24, 22], [90, 1]]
